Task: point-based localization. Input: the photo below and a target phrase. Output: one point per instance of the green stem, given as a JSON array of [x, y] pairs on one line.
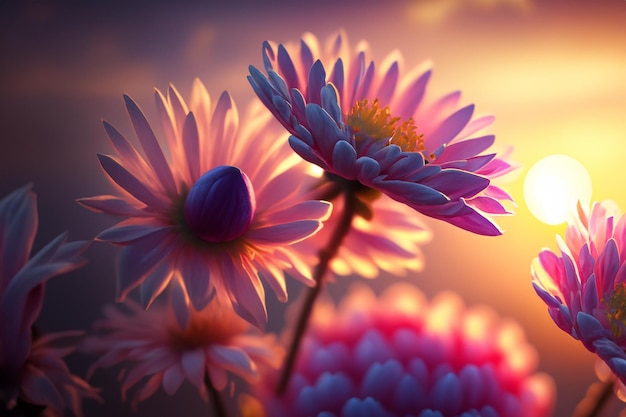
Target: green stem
[[216, 399], [325, 256]]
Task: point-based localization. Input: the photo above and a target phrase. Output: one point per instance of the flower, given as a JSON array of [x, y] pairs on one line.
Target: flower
[[585, 286], [369, 125], [214, 207], [158, 351], [399, 355], [32, 371]]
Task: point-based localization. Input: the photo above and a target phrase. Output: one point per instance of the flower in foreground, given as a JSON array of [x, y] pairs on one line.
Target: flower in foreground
[[214, 206], [399, 355], [157, 351], [585, 285], [369, 125], [33, 374]]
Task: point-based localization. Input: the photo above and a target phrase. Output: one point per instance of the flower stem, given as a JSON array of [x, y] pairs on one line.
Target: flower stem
[[216, 399], [592, 404], [325, 256]]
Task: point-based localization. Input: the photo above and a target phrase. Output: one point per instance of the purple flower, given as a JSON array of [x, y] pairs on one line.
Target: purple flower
[[399, 356], [32, 370], [585, 286], [160, 352], [215, 206], [370, 125]]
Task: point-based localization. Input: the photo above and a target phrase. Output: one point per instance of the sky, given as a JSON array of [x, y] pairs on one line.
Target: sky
[[551, 72]]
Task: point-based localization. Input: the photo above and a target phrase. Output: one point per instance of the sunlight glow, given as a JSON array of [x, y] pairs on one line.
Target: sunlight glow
[[554, 185]]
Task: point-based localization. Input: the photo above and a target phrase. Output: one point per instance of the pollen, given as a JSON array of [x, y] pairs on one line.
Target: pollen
[[370, 121], [616, 310]]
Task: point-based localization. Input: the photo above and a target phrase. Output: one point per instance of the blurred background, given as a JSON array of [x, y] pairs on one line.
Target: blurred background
[[553, 73]]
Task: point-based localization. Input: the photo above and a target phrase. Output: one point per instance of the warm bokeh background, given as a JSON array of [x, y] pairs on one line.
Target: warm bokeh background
[[553, 73]]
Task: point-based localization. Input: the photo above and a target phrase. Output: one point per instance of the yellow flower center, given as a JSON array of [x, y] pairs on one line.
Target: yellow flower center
[[616, 310], [369, 121], [210, 326]]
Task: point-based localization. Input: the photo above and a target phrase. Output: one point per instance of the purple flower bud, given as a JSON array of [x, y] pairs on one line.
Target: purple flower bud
[[220, 205]]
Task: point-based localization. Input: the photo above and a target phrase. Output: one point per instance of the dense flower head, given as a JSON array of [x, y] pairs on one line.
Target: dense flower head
[[585, 285], [155, 350], [214, 206], [399, 355], [32, 370], [366, 123]]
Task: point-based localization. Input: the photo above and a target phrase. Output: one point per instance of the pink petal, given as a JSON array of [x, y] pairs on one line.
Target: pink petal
[[140, 258], [287, 233], [150, 146], [111, 205], [245, 290], [450, 127], [233, 359], [307, 210], [192, 147], [130, 183]]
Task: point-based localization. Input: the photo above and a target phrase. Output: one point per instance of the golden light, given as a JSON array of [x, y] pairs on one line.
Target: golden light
[[553, 187]]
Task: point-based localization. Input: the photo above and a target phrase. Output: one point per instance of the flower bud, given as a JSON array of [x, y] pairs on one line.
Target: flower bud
[[220, 205]]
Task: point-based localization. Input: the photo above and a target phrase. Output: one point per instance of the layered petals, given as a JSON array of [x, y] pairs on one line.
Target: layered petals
[[157, 351], [209, 204], [32, 370], [399, 355], [584, 284], [341, 108]]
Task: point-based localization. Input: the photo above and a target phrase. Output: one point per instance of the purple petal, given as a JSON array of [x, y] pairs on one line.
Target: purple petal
[[140, 258], [590, 328], [344, 159], [286, 67], [18, 226], [129, 182], [317, 80]]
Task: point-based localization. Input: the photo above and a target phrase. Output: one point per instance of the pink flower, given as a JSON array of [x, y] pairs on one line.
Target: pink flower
[[370, 125], [32, 371], [585, 286], [214, 206], [160, 352], [399, 355]]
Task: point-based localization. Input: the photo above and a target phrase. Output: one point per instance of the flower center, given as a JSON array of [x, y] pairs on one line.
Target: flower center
[[616, 310], [214, 325], [370, 121], [220, 205]]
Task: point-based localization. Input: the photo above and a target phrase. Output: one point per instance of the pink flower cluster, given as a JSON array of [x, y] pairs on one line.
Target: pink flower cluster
[[400, 355]]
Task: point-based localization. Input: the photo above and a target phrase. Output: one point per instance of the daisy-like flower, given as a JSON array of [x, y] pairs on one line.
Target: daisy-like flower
[[585, 285], [399, 355], [370, 126], [214, 206], [157, 351], [33, 375]]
